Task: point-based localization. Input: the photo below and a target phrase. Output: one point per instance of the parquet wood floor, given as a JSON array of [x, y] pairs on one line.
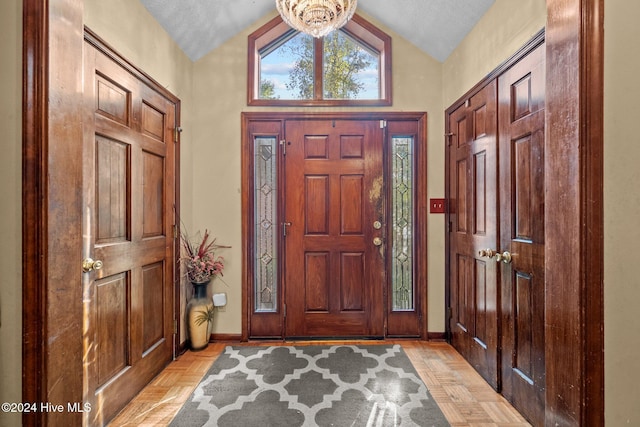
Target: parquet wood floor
[[463, 396]]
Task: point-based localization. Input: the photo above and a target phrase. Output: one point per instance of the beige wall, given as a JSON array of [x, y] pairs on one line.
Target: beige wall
[[621, 213], [506, 27], [11, 208]]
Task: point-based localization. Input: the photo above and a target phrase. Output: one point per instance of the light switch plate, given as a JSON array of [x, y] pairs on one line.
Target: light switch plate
[[437, 205]]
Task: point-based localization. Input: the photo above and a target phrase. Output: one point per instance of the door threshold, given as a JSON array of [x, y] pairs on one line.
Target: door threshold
[[336, 338]]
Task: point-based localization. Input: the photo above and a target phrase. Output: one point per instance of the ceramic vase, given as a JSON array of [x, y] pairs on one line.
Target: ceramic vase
[[197, 308]]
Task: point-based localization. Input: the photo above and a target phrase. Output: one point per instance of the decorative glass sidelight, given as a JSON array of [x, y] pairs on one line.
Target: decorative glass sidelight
[[265, 215], [402, 223]]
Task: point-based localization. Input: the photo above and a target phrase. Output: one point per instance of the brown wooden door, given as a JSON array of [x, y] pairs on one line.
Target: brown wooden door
[[522, 197], [129, 183], [472, 155], [334, 273]]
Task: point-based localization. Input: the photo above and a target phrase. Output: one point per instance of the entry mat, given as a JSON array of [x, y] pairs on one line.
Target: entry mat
[[338, 385]]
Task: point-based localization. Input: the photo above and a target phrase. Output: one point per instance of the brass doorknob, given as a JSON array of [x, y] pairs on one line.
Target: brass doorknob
[[487, 253], [377, 241], [89, 264], [504, 257]]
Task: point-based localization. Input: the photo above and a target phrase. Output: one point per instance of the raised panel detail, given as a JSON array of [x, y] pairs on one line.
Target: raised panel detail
[[480, 192], [461, 196], [112, 190], [317, 281], [521, 98], [480, 302], [153, 122], [316, 147], [153, 194], [461, 132], [522, 189], [352, 281], [153, 303], [112, 299], [351, 199], [480, 121], [523, 320], [316, 204], [112, 100], [465, 292], [351, 147]]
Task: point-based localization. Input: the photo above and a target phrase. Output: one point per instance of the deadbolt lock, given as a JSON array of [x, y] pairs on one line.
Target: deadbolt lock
[[377, 225]]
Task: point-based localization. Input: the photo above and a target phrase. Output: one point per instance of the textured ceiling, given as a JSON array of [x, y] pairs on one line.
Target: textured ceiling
[[435, 26]]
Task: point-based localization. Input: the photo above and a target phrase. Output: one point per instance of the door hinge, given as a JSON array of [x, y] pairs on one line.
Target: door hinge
[[449, 313], [283, 143], [383, 124], [175, 326], [449, 137], [176, 133], [284, 311], [175, 231]]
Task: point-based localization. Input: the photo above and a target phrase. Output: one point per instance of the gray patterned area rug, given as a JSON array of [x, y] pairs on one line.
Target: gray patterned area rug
[[341, 385]]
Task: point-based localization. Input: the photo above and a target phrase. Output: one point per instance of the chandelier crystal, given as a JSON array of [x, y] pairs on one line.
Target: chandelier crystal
[[316, 17]]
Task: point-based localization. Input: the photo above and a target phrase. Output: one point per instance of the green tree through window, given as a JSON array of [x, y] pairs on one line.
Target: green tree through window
[[344, 60], [268, 90]]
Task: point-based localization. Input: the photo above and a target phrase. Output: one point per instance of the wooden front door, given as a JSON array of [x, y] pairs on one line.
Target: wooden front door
[[129, 183], [472, 154], [522, 198], [334, 264]]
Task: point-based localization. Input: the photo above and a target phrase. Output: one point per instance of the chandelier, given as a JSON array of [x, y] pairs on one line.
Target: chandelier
[[316, 17]]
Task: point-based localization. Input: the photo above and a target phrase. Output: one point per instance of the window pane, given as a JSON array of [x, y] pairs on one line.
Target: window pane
[[351, 71], [402, 223], [286, 68], [265, 202]]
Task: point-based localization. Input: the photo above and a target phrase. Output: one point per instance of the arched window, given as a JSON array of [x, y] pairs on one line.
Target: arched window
[[350, 66]]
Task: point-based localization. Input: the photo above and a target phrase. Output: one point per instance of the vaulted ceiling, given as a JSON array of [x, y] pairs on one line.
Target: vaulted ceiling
[[434, 26]]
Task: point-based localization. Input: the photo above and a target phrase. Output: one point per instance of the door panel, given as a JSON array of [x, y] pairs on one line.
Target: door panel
[[472, 154], [334, 275], [521, 118], [128, 190]]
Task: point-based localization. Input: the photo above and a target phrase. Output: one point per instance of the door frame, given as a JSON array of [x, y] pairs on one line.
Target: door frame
[[277, 121], [52, 349], [52, 147]]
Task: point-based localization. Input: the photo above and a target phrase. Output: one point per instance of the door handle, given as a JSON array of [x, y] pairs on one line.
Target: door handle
[[377, 241], [487, 253], [504, 257], [89, 264], [284, 228]]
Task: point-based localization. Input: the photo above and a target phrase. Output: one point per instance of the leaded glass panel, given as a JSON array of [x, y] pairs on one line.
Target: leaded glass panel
[[402, 223], [265, 203]]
